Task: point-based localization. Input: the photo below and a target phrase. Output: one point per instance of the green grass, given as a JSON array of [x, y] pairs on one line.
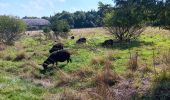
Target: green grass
[[15, 87]]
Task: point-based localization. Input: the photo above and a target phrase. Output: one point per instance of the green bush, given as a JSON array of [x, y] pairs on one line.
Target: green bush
[[11, 29], [46, 32]]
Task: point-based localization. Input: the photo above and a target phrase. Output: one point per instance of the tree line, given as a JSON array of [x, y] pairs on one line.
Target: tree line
[[80, 19]]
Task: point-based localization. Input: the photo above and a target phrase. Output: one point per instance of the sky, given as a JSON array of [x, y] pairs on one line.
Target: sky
[[41, 8]]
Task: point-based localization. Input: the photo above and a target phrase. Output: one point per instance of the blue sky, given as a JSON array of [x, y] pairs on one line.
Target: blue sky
[[46, 7]]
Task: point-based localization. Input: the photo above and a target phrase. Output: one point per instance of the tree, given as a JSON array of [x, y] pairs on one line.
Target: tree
[[11, 29], [163, 18], [79, 19], [102, 10], [125, 22], [60, 26]]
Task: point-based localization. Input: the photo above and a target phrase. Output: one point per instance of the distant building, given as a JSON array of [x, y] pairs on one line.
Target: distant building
[[36, 24]]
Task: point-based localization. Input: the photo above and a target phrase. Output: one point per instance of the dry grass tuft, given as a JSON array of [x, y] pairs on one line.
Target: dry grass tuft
[[106, 76], [32, 64], [145, 69], [128, 74], [110, 55], [166, 60], [28, 70], [133, 62], [97, 61], [20, 56], [19, 46], [74, 95], [84, 72], [64, 78]]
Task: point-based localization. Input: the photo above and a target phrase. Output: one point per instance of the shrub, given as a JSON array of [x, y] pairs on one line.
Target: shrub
[[46, 32], [10, 29], [125, 22]]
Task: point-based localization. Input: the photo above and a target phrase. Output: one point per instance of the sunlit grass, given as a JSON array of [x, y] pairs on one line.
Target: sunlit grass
[[19, 78]]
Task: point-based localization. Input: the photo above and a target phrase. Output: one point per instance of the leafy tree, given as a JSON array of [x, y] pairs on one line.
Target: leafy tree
[[79, 19], [163, 17], [60, 26], [125, 22], [11, 29], [102, 10], [69, 17]]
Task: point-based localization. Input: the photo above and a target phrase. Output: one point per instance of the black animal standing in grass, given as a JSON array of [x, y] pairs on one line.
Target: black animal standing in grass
[[56, 47], [107, 43], [72, 37], [57, 56], [81, 40]]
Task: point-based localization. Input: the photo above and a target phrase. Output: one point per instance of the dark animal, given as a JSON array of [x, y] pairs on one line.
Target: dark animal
[[81, 40], [56, 47], [57, 56], [72, 37], [106, 43]]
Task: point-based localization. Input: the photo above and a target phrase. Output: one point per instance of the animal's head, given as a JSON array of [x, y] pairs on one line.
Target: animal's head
[[51, 51], [45, 65]]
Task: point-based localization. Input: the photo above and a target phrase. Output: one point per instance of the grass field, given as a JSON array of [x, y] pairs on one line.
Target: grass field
[[21, 77]]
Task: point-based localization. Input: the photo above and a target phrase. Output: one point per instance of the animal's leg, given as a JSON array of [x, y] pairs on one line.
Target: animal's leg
[[70, 60], [56, 64], [45, 67], [53, 64]]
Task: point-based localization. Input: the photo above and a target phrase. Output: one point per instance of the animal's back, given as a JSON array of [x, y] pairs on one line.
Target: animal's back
[[61, 55]]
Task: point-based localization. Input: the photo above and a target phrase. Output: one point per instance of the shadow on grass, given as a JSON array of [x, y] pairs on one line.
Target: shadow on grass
[[62, 66], [127, 45]]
